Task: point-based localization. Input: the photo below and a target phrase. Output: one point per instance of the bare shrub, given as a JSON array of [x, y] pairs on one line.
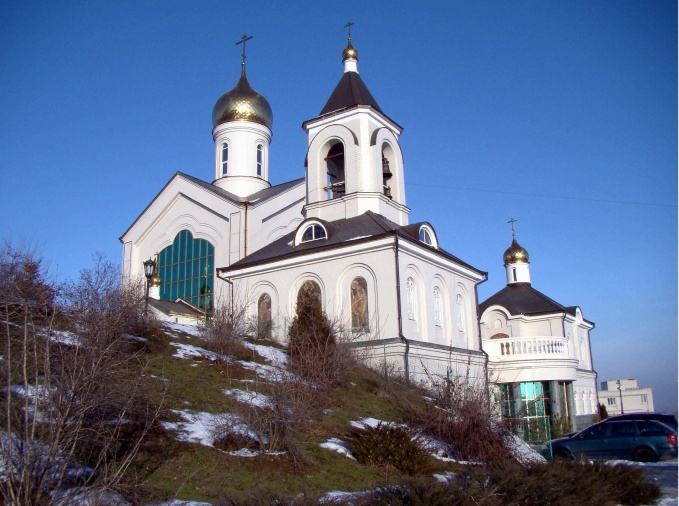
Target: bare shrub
[[229, 325], [388, 445], [76, 410], [281, 424], [460, 416], [101, 309]]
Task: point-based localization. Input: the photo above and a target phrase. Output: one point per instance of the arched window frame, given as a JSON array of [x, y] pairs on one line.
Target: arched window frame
[[310, 231], [360, 308], [438, 307], [186, 268], [336, 183], [427, 232], [411, 290], [264, 316], [225, 158], [260, 160]]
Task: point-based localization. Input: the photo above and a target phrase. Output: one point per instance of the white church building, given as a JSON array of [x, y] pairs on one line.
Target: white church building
[[342, 231], [539, 353]]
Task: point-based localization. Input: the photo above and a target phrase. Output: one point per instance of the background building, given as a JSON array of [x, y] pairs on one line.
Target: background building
[[625, 396]]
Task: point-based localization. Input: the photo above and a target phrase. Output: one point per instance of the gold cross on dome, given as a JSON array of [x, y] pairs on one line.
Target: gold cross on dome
[[242, 40], [512, 221]]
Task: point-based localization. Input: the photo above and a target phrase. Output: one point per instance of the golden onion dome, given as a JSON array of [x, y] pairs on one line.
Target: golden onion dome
[[242, 103], [349, 52], [155, 280], [516, 254]]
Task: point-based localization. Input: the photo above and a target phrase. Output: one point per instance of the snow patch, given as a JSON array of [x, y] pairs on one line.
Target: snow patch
[[192, 330], [522, 452], [248, 397], [65, 337], [339, 446], [269, 353], [188, 351], [445, 477], [203, 428]]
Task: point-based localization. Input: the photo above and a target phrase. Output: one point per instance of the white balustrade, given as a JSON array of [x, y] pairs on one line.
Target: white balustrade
[[525, 347]]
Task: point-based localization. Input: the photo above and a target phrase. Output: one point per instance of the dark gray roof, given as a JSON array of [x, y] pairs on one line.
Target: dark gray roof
[[256, 197], [341, 233], [178, 307], [522, 298], [261, 195], [350, 91]]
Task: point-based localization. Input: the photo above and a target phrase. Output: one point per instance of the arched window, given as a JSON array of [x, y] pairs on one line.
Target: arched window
[[438, 307], [225, 158], [313, 232], [461, 310], [259, 159], [309, 289], [499, 336], [186, 270], [425, 237], [264, 317], [336, 186], [359, 305], [412, 304]]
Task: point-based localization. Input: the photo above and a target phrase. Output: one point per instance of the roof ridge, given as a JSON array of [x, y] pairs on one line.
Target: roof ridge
[[373, 216]]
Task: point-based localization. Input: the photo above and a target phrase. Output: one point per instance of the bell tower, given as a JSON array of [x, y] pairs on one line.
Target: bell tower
[[242, 120], [354, 162]]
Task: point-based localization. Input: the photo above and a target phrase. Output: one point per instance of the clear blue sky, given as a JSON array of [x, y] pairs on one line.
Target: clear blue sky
[[562, 115]]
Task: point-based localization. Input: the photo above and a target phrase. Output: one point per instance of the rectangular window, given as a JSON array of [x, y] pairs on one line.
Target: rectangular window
[[611, 401], [644, 398], [259, 161], [225, 159]]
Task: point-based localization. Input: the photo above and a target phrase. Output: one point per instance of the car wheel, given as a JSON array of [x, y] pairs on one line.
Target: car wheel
[[644, 455], [562, 454]]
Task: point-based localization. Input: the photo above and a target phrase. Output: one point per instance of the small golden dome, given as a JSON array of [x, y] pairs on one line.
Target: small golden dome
[[349, 52], [242, 103], [155, 280], [516, 254]]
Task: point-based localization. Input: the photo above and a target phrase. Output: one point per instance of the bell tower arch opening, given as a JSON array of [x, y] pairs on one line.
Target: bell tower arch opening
[[336, 176], [388, 161]]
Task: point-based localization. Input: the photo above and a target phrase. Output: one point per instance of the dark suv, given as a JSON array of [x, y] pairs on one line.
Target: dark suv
[[669, 420], [641, 440]]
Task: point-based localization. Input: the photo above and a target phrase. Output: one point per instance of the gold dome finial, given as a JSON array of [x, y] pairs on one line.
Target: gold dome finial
[[515, 254], [242, 103], [349, 51]]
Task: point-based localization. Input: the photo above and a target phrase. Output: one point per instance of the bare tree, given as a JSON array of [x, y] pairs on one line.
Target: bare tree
[[75, 404]]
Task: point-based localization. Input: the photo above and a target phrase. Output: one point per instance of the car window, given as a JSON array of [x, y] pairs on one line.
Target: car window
[[647, 428], [623, 429], [594, 432]]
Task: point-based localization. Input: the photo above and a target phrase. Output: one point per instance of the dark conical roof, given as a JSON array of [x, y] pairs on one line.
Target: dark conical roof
[[349, 92]]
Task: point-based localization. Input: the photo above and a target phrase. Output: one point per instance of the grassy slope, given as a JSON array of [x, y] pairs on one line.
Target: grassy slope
[[193, 471]]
